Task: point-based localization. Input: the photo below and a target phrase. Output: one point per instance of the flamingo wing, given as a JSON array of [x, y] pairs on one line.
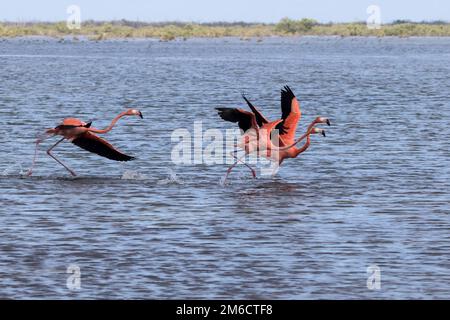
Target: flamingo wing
[[260, 119], [290, 113], [70, 126], [245, 119], [93, 143]]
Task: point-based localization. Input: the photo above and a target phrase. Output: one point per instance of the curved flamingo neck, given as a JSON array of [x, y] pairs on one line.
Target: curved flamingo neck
[[304, 147], [112, 124], [306, 135]]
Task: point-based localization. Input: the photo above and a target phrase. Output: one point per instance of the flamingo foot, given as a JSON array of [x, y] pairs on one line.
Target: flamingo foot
[[223, 181], [72, 173]]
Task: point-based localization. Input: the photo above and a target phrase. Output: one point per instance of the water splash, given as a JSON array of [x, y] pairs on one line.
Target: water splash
[[172, 179], [11, 169], [133, 175], [222, 181], [239, 176]]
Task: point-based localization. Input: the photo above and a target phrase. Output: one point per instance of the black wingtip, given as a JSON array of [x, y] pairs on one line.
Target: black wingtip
[[287, 90], [221, 112], [88, 125], [248, 102], [128, 158]]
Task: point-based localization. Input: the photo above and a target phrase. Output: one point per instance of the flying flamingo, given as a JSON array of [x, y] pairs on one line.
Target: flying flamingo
[[254, 122], [81, 134], [274, 153]]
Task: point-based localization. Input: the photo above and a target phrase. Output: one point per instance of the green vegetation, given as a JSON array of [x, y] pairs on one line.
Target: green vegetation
[[286, 26], [171, 30]]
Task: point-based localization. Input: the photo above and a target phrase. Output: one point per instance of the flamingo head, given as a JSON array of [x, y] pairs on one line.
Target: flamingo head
[[323, 120], [318, 130], [134, 112]]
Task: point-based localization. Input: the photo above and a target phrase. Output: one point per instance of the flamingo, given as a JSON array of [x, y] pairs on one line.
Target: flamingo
[[269, 147], [82, 135], [252, 123]]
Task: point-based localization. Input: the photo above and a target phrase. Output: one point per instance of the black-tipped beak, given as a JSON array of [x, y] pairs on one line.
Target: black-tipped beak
[[140, 115], [328, 122], [323, 133]]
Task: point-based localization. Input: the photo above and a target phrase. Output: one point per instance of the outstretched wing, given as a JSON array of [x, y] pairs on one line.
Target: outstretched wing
[[93, 143], [260, 119], [70, 126], [290, 113], [245, 119]]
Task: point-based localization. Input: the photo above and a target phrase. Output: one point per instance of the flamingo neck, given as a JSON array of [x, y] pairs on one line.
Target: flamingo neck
[[306, 135], [293, 152], [112, 124], [303, 148]]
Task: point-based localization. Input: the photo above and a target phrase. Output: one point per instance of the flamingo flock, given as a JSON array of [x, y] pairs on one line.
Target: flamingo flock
[[274, 140], [257, 136]]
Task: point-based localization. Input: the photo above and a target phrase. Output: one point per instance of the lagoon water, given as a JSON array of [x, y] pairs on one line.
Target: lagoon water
[[373, 193]]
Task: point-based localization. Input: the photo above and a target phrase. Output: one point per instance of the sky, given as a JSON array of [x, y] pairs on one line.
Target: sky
[[224, 10]]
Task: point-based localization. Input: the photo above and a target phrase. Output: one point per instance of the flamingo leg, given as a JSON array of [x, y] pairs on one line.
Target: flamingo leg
[[235, 163], [49, 152], [38, 141], [229, 171], [243, 162], [30, 171]]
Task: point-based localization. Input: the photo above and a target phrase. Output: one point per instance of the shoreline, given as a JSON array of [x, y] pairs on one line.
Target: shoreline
[[170, 31]]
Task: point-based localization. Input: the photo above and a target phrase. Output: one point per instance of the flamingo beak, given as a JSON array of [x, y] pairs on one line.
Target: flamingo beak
[[328, 122], [323, 133], [140, 115]]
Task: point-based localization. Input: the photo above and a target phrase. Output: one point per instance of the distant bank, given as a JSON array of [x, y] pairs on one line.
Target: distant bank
[[167, 31]]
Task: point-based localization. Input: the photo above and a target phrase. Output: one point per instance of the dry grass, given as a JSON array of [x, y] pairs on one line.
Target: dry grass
[[170, 31]]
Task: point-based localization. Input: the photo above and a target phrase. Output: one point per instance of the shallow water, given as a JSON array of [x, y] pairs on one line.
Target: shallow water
[[375, 191]]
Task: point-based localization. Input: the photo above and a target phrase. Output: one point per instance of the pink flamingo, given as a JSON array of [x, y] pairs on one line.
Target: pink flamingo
[[82, 135]]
